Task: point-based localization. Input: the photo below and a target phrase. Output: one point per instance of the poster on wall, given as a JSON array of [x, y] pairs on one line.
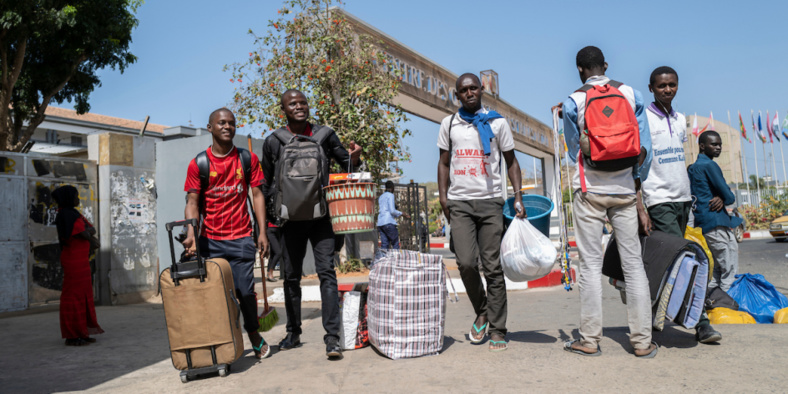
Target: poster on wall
[[137, 210]]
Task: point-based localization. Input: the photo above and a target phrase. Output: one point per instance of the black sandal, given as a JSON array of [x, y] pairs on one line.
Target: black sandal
[[76, 342]]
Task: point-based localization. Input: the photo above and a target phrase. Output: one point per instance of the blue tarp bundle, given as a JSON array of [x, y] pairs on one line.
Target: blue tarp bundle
[[757, 297]]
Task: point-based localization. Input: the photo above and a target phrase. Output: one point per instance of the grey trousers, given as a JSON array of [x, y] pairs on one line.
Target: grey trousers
[[476, 231], [725, 249], [590, 213]]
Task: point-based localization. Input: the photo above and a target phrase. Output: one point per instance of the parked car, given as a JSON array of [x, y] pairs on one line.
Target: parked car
[[779, 228], [739, 230]]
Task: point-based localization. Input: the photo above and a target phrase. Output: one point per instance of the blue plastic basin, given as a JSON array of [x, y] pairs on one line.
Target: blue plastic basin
[[538, 209]]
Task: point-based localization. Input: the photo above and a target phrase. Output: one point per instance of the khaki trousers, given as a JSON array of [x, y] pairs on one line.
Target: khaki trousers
[[590, 213]]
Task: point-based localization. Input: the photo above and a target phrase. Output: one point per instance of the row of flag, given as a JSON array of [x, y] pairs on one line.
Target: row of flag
[[773, 127]]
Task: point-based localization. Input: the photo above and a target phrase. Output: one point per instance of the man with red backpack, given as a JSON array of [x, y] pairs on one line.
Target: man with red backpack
[[607, 134]]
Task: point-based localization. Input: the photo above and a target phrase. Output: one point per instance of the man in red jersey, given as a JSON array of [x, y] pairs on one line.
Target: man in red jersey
[[227, 229]]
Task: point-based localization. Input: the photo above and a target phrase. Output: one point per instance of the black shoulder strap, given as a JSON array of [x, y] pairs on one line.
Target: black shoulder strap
[[204, 169], [246, 164], [451, 121], [585, 88], [615, 84], [321, 133], [283, 135]]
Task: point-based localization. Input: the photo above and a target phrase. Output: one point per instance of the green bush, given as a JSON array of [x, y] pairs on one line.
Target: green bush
[[350, 265], [758, 217]]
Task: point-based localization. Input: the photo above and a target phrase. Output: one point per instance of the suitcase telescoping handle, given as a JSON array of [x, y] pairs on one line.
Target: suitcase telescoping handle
[[190, 269]]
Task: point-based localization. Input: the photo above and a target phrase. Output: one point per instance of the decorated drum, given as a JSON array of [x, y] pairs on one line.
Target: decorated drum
[[351, 207]]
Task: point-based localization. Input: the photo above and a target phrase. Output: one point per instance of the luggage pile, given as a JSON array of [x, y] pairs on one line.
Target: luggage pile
[[407, 304], [677, 271]]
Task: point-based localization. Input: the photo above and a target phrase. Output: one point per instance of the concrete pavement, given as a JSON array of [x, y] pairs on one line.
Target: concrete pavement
[[133, 356]]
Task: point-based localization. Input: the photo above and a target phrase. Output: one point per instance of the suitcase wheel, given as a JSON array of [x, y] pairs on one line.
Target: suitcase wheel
[[184, 377], [223, 371]]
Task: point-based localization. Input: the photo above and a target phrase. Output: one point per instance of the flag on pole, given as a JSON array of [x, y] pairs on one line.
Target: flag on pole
[[769, 128], [711, 120], [744, 131], [703, 129], [563, 139], [776, 126], [695, 126], [760, 129], [785, 127]]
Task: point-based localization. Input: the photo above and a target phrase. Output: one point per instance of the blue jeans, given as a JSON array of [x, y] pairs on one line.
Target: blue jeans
[[389, 236], [240, 253]]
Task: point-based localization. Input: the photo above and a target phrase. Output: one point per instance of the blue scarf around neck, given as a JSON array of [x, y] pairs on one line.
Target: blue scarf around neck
[[481, 121]]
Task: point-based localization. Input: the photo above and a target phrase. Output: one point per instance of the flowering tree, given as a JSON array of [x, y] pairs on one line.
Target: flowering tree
[[344, 75]]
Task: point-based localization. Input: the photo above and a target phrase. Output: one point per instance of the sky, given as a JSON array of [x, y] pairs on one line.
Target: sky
[[729, 55]]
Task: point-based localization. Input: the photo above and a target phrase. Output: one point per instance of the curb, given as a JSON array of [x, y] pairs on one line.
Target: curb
[[312, 293], [757, 234]]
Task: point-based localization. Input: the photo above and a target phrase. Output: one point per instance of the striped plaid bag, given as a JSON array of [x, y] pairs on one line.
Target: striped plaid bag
[[407, 304]]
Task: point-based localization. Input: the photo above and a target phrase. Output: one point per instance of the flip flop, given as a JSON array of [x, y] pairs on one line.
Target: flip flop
[[482, 330], [650, 354], [499, 349], [568, 348], [258, 350]]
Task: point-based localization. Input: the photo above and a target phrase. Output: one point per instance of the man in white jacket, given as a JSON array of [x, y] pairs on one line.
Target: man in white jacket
[[666, 192]]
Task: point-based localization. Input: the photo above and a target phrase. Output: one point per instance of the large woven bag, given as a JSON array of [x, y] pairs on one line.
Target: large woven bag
[[407, 304]]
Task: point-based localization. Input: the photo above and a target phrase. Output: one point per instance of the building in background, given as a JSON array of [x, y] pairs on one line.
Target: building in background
[[730, 160], [114, 169]]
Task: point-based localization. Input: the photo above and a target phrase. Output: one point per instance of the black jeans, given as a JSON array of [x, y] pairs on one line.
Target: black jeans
[[321, 235], [275, 241], [476, 232]]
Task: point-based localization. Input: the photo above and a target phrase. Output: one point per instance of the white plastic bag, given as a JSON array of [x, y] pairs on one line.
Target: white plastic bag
[[526, 253], [351, 303]]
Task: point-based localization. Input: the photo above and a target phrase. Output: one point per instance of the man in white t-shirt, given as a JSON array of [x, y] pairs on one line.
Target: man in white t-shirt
[[666, 192], [471, 143]]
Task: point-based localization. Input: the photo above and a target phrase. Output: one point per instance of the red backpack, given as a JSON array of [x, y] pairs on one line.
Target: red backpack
[[610, 140]]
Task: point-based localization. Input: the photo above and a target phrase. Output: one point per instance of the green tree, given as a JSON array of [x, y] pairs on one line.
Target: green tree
[[51, 50], [755, 181], [344, 75]]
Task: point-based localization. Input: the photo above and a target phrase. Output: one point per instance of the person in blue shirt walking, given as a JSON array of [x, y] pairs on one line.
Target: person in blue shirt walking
[[712, 195], [387, 219]]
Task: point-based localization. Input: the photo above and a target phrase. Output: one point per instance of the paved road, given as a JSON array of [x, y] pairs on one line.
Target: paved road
[[132, 356]]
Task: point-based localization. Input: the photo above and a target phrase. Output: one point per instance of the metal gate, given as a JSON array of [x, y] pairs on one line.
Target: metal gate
[[414, 232], [30, 270]]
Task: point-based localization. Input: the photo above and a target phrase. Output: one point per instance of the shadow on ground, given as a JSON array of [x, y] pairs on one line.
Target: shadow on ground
[[37, 361]]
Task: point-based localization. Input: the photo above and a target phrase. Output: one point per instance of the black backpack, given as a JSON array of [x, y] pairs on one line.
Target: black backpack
[[204, 171], [718, 298], [300, 175]]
